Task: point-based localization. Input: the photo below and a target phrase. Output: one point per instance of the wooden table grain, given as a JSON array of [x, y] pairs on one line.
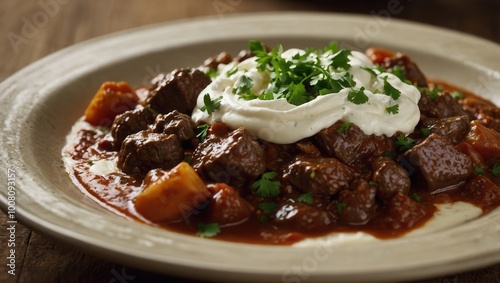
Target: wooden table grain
[[33, 29]]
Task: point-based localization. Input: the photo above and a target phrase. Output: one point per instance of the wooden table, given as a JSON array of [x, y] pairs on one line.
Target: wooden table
[[32, 29]]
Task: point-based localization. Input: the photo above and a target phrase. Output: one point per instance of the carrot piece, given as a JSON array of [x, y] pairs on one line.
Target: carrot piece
[[174, 196], [486, 141], [111, 99]]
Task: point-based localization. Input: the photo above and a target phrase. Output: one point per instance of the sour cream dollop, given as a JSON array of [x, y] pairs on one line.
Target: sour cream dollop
[[280, 122]]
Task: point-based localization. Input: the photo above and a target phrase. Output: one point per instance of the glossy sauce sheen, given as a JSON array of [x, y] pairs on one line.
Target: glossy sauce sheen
[[116, 191], [388, 217]]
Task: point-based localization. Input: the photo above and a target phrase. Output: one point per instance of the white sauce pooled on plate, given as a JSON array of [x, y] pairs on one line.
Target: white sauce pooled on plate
[[280, 122]]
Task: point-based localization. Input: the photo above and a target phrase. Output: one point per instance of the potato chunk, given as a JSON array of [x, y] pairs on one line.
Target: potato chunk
[[111, 99], [173, 196]]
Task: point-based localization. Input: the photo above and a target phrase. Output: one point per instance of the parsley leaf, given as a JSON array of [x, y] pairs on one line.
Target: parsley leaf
[[479, 170], [457, 94], [341, 59], [202, 131], [357, 96], [306, 198], [416, 197], [208, 230], [390, 90], [267, 207], [344, 127], [212, 73], [266, 186], [495, 170], [432, 94], [232, 71], [392, 109], [210, 105], [297, 94], [399, 72], [425, 132], [243, 87], [331, 47], [405, 143]]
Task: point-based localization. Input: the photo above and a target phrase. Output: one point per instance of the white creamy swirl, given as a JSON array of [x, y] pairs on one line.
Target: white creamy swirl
[[280, 122]]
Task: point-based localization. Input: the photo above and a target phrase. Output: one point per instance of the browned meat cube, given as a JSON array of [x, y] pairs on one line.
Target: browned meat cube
[[452, 129], [483, 192], [128, 123], [411, 70], [227, 206], [441, 165], [144, 151], [351, 145], [325, 176], [390, 178], [443, 106], [175, 123], [177, 91], [215, 61], [233, 158], [402, 212], [301, 216], [359, 205]]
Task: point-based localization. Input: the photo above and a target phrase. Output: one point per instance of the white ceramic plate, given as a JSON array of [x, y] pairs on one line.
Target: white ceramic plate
[[39, 104]]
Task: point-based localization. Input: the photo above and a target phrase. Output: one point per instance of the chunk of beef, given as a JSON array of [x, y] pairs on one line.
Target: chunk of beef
[[301, 216], [485, 140], [443, 106], [178, 90], [490, 117], [278, 154], [130, 122], [359, 204], [175, 123], [308, 148], [233, 159], [467, 149], [483, 192], [227, 206], [403, 213], [390, 178], [215, 61], [352, 146], [143, 151], [441, 165], [452, 129], [411, 70], [325, 176]]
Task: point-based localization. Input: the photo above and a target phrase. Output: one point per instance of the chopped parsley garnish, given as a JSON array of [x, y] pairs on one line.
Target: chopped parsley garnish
[[416, 197], [210, 105], [304, 76], [267, 207], [399, 72], [392, 109], [212, 73], [344, 127], [405, 143], [479, 170], [202, 131], [357, 96], [341, 206], [90, 162], [232, 71], [389, 154], [432, 94], [495, 170], [391, 91], [266, 186], [306, 198], [312, 175], [243, 87], [150, 109], [457, 94], [208, 230], [425, 132], [188, 159], [371, 183]]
